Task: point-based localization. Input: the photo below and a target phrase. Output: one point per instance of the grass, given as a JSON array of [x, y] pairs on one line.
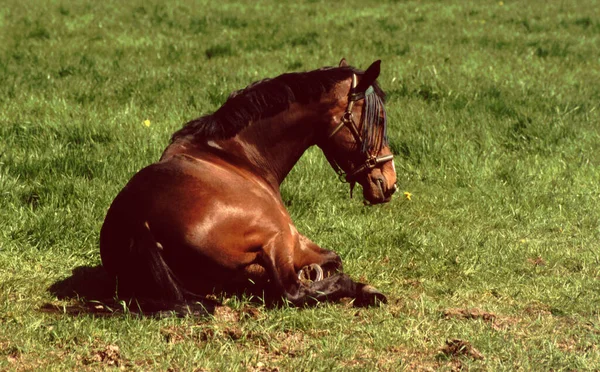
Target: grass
[[494, 119]]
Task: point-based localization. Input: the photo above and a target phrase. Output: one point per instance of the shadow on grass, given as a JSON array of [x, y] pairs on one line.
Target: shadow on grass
[[89, 290]]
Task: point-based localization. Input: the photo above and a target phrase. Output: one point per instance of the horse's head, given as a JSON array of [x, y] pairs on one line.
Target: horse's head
[[356, 144]]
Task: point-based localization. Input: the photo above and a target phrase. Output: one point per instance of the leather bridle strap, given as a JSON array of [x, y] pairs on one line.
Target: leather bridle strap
[[348, 121], [371, 163]]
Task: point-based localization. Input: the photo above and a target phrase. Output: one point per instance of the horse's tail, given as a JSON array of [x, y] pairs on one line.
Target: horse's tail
[[133, 257], [153, 276]]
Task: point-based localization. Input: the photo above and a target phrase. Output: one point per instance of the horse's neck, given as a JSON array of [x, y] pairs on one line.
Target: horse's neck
[[274, 145], [270, 146]]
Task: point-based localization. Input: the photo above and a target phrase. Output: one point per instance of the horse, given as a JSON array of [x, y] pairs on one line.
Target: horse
[[209, 216]]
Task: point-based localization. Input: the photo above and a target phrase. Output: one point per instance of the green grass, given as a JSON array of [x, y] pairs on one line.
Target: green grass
[[494, 119]]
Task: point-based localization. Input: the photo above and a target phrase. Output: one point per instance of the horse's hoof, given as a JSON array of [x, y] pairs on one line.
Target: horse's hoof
[[370, 296], [332, 266], [310, 273]]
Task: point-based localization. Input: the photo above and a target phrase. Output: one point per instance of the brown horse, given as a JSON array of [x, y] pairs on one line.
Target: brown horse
[[208, 216]]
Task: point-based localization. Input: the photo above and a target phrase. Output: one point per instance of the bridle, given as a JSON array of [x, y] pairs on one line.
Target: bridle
[[347, 121]]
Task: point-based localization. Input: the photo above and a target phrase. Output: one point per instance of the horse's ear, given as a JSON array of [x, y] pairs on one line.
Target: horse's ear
[[343, 63], [369, 76]]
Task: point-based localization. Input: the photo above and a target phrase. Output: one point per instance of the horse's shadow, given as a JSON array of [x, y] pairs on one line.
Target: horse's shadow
[[89, 290]]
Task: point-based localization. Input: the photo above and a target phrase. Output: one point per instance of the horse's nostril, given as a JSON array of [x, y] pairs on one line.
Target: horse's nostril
[[381, 184]]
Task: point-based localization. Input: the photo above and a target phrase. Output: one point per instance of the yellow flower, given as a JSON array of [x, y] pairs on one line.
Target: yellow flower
[[500, 3], [407, 195], [147, 123]]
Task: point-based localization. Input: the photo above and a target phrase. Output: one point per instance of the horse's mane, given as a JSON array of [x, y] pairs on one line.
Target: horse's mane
[[265, 98]]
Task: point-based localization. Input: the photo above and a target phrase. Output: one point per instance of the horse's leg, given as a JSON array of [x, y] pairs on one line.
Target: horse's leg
[[341, 285], [278, 262], [309, 253]]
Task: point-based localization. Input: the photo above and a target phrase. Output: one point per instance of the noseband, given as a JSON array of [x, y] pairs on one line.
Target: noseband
[[347, 120]]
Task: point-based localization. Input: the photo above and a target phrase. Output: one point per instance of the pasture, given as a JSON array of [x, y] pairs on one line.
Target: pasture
[[489, 253]]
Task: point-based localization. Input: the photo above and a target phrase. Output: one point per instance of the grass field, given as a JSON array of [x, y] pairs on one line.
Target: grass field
[[493, 263]]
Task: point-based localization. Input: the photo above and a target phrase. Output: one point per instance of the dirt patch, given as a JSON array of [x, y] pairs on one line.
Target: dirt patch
[[201, 334], [537, 261], [456, 365], [18, 361], [537, 309], [250, 312], [411, 359], [109, 355], [496, 322], [457, 347], [274, 348], [291, 344], [413, 283], [574, 345], [591, 328], [219, 333], [11, 359], [262, 367], [174, 335], [359, 360], [227, 324], [226, 314], [12, 354], [470, 314], [234, 333]]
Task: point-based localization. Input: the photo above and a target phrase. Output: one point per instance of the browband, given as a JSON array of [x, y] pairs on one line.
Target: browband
[[357, 96]]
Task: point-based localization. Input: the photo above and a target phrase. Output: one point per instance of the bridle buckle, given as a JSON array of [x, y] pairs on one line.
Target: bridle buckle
[[347, 117], [371, 162]]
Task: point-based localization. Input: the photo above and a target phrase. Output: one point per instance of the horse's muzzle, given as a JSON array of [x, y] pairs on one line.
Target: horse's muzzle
[[380, 192]]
